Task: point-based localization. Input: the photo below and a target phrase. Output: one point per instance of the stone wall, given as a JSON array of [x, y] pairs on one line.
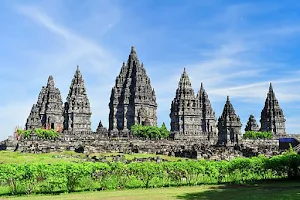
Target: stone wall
[[90, 142]]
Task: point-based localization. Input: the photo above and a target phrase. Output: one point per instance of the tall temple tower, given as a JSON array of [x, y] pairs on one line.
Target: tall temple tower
[[48, 111], [77, 112], [272, 118], [229, 125], [208, 116], [185, 110], [132, 99]]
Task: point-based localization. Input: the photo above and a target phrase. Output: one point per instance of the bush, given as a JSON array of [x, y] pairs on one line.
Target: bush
[[152, 132], [24, 133], [257, 135], [41, 133], [69, 177]]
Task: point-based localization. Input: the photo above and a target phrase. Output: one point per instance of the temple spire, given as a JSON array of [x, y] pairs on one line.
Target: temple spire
[[48, 111], [271, 88], [252, 124], [77, 108], [133, 51], [229, 125], [50, 82], [208, 119], [185, 111], [272, 117], [132, 101]]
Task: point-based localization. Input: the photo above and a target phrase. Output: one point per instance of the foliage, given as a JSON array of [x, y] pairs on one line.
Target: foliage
[[46, 133], [69, 177], [25, 133], [152, 132], [257, 135], [41, 133]]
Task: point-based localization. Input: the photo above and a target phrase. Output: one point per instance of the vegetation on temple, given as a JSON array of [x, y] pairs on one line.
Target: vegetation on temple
[[257, 135], [152, 132], [41, 133], [24, 133], [69, 177]]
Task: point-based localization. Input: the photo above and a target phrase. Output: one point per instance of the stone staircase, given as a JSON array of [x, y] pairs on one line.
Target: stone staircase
[[297, 148]]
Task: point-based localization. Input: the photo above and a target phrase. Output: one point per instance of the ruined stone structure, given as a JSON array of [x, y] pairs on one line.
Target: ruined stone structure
[[191, 116], [272, 118], [208, 116], [48, 111], [251, 124], [185, 110], [101, 130], [229, 125], [132, 99], [77, 113]]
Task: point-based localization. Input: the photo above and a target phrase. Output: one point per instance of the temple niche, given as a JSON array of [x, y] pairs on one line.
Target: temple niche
[[132, 100], [229, 125], [48, 111], [252, 124], [77, 112], [185, 111], [272, 117]]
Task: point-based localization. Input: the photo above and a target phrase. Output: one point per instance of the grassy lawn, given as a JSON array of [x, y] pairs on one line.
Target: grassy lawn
[[66, 156], [267, 191]]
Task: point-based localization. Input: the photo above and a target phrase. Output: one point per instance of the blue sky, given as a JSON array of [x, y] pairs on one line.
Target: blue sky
[[234, 47]]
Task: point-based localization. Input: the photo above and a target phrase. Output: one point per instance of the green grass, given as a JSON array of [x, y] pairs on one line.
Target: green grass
[[275, 190], [66, 157]]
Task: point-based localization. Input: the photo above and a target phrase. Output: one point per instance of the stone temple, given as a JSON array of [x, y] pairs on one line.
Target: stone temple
[[252, 124], [132, 99], [191, 116], [272, 118], [48, 111], [208, 116], [229, 125], [77, 112]]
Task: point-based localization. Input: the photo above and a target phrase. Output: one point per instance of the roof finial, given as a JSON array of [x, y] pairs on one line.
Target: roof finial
[[50, 81], [201, 86], [270, 88], [133, 51], [184, 70], [227, 98], [77, 67]]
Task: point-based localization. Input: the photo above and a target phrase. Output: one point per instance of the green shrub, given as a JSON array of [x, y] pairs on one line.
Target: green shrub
[[24, 133], [152, 132], [69, 177], [41, 133], [257, 135]]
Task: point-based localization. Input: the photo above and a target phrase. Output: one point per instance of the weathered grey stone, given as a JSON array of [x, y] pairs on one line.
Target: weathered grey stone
[[229, 125], [48, 112], [208, 116], [132, 99], [77, 111], [251, 124], [185, 110], [272, 118], [191, 116]]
